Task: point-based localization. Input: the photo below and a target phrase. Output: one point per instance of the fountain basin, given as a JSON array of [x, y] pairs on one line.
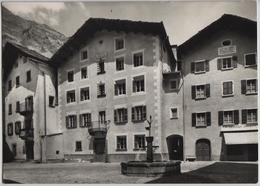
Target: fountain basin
[[144, 168]]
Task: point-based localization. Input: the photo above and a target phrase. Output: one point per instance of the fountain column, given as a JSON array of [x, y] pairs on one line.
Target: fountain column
[[149, 151]]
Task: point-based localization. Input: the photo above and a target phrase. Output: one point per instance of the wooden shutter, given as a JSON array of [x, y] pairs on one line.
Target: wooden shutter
[[220, 118], [243, 86], [193, 92], [236, 116], [133, 113], [193, 119], [115, 116], [208, 116], [134, 87], [116, 92], [81, 120], [244, 116], [256, 85], [207, 90], [144, 113], [125, 115], [75, 125], [234, 59], [219, 61], [67, 121], [207, 65], [192, 67]]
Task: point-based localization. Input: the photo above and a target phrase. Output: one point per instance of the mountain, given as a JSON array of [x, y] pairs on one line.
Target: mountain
[[35, 36]]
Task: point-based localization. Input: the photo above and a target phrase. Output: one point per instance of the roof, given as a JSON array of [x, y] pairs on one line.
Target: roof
[[11, 52], [92, 25], [226, 21]]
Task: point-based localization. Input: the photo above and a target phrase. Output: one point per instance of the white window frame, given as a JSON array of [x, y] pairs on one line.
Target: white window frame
[[232, 65], [120, 56], [81, 73], [82, 87], [145, 85], [136, 52], [247, 116], [200, 61], [121, 134], [204, 91], [222, 88], [99, 83], [121, 95], [69, 114], [177, 84], [119, 37], [250, 93], [84, 112], [80, 54], [136, 134], [233, 122], [71, 103], [245, 59], [205, 121], [177, 113]]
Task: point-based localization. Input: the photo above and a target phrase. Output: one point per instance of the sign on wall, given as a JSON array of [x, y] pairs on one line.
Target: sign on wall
[[227, 50]]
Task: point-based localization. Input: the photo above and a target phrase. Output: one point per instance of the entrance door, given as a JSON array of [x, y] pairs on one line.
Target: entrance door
[[29, 150], [175, 147], [99, 146], [203, 150]]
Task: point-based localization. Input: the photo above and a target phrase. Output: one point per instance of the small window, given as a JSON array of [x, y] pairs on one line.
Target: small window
[[228, 88], [138, 59], [139, 142], [102, 117], [139, 113], [228, 117], [28, 76], [10, 109], [10, 129], [120, 87], [138, 84], [120, 63], [200, 66], [201, 119], [84, 73], [101, 92], [84, 94], [85, 120], [173, 84], [9, 85], [227, 63], [71, 121], [101, 67], [173, 113], [84, 55], [14, 149], [17, 106], [200, 92], [251, 86], [71, 96], [70, 76], [226, 42], [252, 116], [51, 101], [120, 115], [250, 59], [17, 81], [78, 146], [119, 44], [17, 127], [121, 143]]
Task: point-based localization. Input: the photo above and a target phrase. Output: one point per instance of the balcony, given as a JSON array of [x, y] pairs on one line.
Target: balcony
[[98, 129], [239, 127], [25, 108], [26, 134]]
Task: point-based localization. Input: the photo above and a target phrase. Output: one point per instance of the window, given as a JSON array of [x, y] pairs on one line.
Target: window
[[227, 63], [249, 86], [173, 113], [10, 129], [17, 81], [138, 84], [200, 91], [101, 67], [71, 121], [101, 92], [249, 116], [28, 76], [202, 119], [250, 59], [102, 117], [226, 42], [120, 87], [120, 115], [228, 117], [51, 101], [17, 106], [85, 120], [71, 96], [78, 146], [200, 66], [173, 84], [84, 73], [10, 109], [119, 44], [139, 141], [138, 113], [227, 88], [120, 63], [84, 55], [17, 127], [70, 76], [9, 85], [121, 143], [138, 59], [24, 59], [84, 94]]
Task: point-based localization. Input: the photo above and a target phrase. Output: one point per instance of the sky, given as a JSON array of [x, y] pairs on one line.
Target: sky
[[182, 19]]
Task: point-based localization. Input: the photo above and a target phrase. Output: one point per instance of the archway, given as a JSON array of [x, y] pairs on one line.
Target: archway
[[203, 150], [175, 147]]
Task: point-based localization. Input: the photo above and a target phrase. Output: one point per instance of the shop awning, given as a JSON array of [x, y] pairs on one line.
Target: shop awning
[[236, 138]]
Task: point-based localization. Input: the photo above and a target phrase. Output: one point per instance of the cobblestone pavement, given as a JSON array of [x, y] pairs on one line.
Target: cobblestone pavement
[[85, 172]]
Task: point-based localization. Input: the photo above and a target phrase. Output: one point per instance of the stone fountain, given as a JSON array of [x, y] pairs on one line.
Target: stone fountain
[[150, 167]]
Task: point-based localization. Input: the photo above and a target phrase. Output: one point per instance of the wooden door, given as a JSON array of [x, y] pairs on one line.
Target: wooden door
[[203, 150]]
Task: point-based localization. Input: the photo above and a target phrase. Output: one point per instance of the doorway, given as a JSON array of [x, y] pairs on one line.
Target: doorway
[[99, 147], [203, 150], [29, 149], [175, 147]]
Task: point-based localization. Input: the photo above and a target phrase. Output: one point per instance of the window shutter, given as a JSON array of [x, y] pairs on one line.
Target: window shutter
[[208, 115], [234, 59], [134, 87], [244, 116], [207, 90], [220, 118], [243, 86], [81, 120], [125, 115], [219, 63], [256, 85], [115, 116], [133, 114], [236, 116], [144, 113], [193, 92], [67, 121], [193, 122], [75, 125], [192, 67], [116, 92], [207, 65]]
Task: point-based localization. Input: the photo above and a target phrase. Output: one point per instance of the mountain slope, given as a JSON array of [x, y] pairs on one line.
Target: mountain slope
[[35, 36]]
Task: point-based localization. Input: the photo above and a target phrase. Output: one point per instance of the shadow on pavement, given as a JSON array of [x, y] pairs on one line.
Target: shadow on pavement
[[9, 181], [219, 172]]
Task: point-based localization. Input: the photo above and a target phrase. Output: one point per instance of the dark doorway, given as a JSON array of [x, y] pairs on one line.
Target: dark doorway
[[175, 147], [253, 152], [29, 149], [99, 147], [203, 152]]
